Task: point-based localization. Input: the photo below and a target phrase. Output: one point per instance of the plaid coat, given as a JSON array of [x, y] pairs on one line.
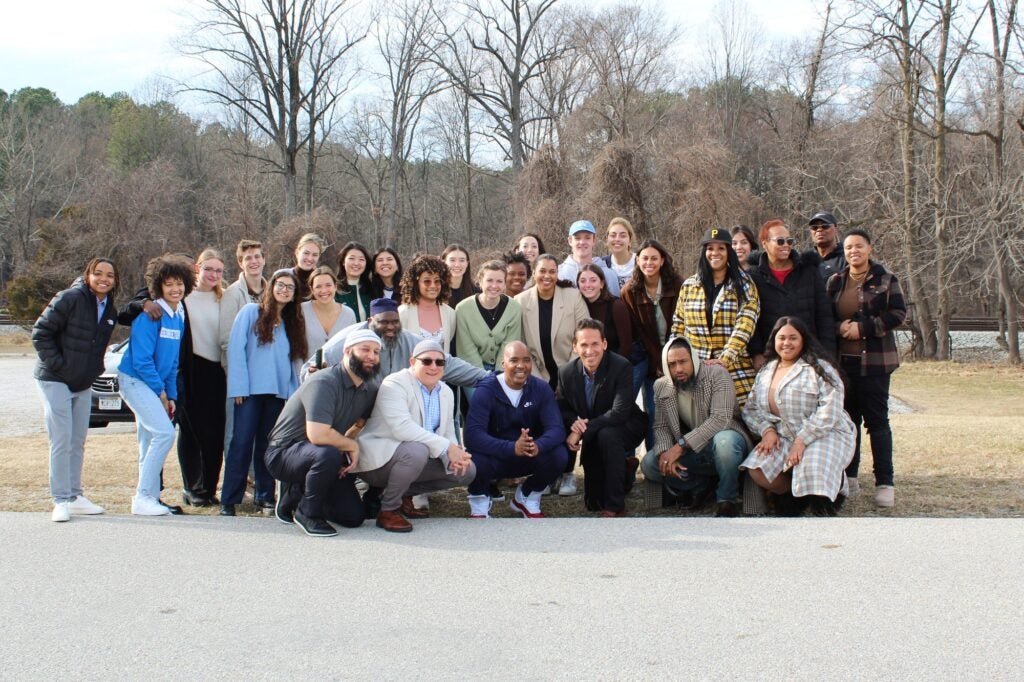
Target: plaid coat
[[882, 309], [732, 326], [811, 409]]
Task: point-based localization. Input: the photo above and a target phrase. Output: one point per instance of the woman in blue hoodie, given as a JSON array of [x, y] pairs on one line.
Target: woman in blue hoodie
[[148, 375], [267, 345]]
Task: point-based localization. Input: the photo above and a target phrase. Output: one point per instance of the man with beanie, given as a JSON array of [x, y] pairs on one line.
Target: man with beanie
[[408, 445]]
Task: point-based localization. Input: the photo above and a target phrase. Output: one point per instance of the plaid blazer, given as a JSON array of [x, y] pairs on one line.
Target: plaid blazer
[[881, 310], [731, 328], [714, 411], [811, 409]]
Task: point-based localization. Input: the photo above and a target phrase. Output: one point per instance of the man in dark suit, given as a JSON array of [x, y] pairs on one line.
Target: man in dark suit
[[602, 420]]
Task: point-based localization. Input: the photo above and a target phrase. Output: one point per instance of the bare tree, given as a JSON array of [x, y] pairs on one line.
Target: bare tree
[[505, 36], [279, 62], [404, 41]]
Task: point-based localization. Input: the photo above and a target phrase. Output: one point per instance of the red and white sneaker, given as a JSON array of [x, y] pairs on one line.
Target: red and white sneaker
[[479, 506], [527, 505]]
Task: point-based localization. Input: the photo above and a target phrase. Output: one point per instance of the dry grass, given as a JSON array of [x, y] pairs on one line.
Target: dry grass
[[961, 453]]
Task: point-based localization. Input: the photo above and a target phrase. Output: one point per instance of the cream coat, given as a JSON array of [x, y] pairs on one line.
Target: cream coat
[[410, 318], [567, 309], [397, 418]]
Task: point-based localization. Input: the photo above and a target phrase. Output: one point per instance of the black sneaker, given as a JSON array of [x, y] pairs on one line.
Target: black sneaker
[[281, 510], [227, 510], [317, 528], [371, 503], [495, 492]]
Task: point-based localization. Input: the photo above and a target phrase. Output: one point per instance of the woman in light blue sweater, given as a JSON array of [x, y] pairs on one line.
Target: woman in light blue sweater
[[267, 340], [148, 375]]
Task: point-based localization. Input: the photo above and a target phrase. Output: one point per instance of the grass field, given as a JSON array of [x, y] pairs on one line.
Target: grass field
[[960, 452]]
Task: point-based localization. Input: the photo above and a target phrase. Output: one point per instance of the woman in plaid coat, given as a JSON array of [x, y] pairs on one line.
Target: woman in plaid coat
[[807, 439], [717, 310]]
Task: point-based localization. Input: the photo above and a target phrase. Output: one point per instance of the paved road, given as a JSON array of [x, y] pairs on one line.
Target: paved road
[[201, 598]]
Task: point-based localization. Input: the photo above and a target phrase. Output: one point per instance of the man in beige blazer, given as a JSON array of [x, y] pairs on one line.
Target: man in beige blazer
[[408, 446], [565, 306]]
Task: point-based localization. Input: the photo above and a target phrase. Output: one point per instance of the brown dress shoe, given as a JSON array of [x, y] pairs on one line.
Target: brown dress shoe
[[727, 509], [393, 522], [410, 510]]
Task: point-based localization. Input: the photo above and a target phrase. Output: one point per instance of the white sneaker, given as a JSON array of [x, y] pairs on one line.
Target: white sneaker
[[854, 486], [527, 505], [885, 496], [60, 512], [147, 506], [549, 490], [421, 501], [82, 505], [479, 506], [567, 486]]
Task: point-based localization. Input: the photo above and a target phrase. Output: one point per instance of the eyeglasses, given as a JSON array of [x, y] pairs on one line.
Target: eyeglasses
[[440, 362], [821, 226], [284, 286], [216, 271], [782, 240]]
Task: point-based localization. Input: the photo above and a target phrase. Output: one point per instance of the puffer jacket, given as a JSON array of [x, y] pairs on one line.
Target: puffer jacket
[[803, 295], [69, 340]]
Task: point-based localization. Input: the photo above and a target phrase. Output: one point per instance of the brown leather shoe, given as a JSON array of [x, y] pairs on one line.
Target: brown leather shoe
[[609, 514], [727, 509], [410, 510], [393, 522]]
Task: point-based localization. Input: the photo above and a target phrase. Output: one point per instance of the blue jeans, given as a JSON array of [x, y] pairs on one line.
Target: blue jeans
[[721, 458], [254, 419], [642, 381], [154, 429], [67, 423]]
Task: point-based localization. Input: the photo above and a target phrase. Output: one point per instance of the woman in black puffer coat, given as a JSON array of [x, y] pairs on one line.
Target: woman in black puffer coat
[[788, 284], [70, 338]]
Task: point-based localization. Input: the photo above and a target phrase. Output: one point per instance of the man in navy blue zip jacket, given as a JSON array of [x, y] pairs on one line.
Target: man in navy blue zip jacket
[[514, 429]]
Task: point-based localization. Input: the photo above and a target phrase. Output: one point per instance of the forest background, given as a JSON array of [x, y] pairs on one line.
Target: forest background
[[420, 123]]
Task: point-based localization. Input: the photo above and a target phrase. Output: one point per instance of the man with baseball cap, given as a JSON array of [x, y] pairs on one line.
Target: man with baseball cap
[[825, 237], [408, 445], [312, 451], [582, 237]]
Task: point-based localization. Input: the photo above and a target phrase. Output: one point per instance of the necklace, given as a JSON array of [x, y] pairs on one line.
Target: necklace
[[859, 277], [490, 314]]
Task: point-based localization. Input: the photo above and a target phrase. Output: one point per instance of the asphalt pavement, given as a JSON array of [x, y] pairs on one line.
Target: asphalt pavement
[[119, 597]]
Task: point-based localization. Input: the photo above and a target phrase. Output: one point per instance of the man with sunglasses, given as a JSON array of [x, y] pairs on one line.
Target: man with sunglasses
[[408, 445], [825, 237]]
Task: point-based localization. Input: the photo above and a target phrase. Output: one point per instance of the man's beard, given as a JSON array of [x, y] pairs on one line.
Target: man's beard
[[356, 365], [684, 385]]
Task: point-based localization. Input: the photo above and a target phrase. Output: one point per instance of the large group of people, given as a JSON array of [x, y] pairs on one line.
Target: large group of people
[[354, 392]]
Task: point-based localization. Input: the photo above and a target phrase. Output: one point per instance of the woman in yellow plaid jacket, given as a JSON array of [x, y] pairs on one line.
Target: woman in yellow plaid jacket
[[717, 310]]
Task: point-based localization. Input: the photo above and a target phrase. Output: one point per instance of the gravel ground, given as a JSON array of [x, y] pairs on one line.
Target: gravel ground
[[970, 346]]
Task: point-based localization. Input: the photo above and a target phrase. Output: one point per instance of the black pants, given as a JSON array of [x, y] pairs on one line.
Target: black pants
[[603, 456], [201, 428], [867, 401], [310, 483]]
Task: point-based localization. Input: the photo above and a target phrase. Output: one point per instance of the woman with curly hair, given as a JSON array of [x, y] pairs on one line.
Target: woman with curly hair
[[796, 406], [425, 293], [354, 279], [268, 344], [148, 375], [386, 275], [518, 274], [70, 338], [717, 310]]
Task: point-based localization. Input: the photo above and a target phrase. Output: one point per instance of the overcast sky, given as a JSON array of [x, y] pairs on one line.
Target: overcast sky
[[76, 46]]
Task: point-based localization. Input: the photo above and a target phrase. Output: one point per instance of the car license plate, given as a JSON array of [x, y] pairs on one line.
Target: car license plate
[[110, 403]]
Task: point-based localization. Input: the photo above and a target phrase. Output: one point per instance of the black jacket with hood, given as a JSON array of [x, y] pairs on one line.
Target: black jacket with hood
[[70, 341]]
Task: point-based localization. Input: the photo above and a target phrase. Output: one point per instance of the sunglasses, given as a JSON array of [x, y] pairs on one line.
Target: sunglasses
[[782, 240], [432, 361], [820, 226]]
